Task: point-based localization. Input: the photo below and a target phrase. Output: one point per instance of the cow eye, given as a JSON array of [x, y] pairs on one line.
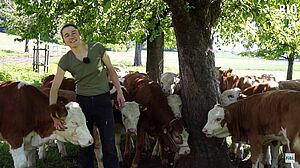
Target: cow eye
[[231, 96], [75, 123]]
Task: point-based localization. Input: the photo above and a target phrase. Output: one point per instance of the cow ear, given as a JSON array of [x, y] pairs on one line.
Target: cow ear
[[58, 111], [62, 100]]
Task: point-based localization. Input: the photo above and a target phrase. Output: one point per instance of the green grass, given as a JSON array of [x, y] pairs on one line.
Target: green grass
[[52, 160]]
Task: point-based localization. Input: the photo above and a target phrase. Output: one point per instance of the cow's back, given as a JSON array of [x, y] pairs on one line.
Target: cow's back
[[267, 112], [20, 105], [144, 90]]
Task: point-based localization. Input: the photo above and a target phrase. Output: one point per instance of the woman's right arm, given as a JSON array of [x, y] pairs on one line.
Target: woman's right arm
[[59, 76]]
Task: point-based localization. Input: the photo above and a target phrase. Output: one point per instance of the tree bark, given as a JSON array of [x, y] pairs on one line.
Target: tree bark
[[155, 51], [138, 54], [291, 59], [193, 29]]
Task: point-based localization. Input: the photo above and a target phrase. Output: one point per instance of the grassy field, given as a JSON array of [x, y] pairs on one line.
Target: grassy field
[[12, 68]]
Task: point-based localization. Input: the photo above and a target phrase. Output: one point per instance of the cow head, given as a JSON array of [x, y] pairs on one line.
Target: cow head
[[166, 80], [174, 101], [229, 96], [130, 116], [175, 136], [76, 130], [216, 125]]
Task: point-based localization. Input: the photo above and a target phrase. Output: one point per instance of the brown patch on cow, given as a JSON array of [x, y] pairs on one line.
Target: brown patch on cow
[[58, 112]]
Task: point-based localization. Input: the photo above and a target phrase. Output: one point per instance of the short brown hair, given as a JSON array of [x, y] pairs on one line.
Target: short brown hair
[[67, 25]]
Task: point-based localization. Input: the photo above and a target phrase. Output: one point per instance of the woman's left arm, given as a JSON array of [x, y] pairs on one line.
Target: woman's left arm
[[114, 78]]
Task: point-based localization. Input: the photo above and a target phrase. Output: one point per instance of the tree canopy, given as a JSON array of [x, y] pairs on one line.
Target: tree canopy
[[105, 21], [270, 25]]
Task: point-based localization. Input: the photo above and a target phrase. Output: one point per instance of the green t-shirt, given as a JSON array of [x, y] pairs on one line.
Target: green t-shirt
[[91, 79]]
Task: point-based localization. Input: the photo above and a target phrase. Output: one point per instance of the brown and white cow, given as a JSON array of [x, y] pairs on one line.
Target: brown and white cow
[[67, 83], [26, 121], [174, 101], [158, 120], [269, 116]]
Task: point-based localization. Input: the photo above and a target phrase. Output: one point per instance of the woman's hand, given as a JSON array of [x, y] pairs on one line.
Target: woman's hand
[[58, 124], [120, 100]]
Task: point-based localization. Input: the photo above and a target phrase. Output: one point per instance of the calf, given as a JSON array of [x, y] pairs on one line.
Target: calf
[[26, 121], [130, 115], [261, 118], [158, 120]]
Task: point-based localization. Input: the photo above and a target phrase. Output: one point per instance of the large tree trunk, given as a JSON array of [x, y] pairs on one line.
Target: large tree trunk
[[138, 54], [155, 51], [291, 59], [193, 29]]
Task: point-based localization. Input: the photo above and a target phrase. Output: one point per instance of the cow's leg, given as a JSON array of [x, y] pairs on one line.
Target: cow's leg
[[256, 152], [42, 152], [240, 151], [140, 144], [61, 148], [163, 155], [127, 145], [19, 157], [275, 154], [97, 147], [31, 159], [118, 141], [266, 154], [155, 150]]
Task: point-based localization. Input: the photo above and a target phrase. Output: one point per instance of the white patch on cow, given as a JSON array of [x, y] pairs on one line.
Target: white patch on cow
[[121, 70], [19, 157], [176, 82], [213, 126], [21, 84], [174, 101], [229, 96], [273, 84], [166, 80], [184, 148], [130, 116], [76, 132]]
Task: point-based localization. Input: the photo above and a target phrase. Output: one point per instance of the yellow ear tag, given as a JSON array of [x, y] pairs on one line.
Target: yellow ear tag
[[165, 130]]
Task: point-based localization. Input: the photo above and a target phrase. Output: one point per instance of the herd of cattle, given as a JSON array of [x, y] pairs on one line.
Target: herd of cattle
[[260, 111], [26, 123], [256, 110]]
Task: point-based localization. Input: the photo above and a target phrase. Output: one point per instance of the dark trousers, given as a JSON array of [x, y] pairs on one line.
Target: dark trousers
[[98, 110]]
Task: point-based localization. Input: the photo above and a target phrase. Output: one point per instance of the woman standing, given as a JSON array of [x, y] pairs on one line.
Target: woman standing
[[89, 64]]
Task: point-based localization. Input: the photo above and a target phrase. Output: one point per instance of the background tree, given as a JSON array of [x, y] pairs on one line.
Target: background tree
[[272, 26]]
